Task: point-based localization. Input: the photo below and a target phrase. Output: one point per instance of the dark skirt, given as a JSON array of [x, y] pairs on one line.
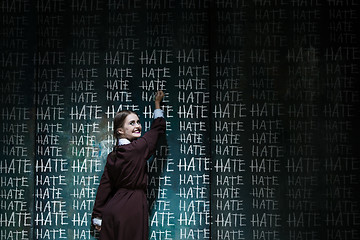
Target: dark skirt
[[125, 216]]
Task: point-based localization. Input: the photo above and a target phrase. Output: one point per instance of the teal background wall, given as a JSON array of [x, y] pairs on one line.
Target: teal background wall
[[261, 106]]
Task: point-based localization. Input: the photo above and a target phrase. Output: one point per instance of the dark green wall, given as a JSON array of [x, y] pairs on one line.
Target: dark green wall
[[261, 105]]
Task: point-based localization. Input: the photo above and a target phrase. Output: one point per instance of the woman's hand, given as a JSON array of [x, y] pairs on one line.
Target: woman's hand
[[158, 98], [98, 228], [96, 222]]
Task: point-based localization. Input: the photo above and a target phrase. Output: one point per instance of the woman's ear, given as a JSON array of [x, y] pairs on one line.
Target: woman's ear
[[119, 131]]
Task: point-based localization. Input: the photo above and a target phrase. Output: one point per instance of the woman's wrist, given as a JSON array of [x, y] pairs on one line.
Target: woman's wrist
[[158, 113], [157, 105], [97, 221]]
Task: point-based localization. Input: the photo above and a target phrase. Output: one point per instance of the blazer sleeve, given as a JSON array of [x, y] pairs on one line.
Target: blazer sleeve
[[103, 193], [148, 142]]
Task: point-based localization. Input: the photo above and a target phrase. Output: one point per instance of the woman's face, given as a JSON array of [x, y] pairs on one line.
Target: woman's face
[[132, 128]]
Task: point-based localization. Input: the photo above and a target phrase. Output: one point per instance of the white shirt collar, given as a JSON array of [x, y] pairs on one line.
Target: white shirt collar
[[123, 141]]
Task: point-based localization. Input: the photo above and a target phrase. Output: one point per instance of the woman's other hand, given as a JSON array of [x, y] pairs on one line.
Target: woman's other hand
[[98, 228]]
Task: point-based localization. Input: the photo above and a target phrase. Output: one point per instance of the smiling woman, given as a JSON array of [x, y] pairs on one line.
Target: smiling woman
[[120, 209], [127, 125]]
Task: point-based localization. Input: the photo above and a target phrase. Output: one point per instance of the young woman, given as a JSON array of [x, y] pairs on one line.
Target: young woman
[[121, 209]]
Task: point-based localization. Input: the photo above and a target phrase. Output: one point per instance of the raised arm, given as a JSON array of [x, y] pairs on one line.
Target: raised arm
[[158, 126]]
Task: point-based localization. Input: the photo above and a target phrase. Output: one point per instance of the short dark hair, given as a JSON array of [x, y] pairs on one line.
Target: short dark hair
[[119, 120]]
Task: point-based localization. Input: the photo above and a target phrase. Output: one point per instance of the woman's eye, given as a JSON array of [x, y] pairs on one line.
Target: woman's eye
[[132, 123]]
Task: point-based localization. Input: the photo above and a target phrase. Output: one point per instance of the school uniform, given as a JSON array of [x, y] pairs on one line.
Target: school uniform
[[121, 204]]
